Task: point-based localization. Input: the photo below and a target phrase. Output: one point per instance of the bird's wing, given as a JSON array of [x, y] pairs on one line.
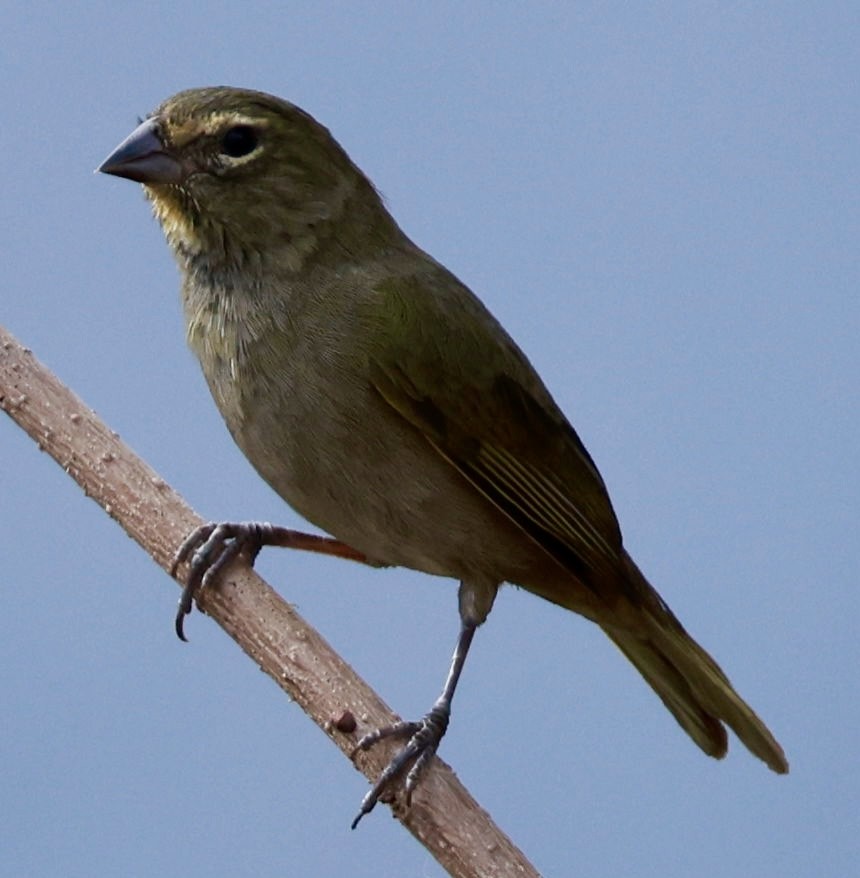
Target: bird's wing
[[494, 421]]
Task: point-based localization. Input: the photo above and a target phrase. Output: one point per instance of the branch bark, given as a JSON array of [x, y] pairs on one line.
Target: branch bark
[[443, 816]]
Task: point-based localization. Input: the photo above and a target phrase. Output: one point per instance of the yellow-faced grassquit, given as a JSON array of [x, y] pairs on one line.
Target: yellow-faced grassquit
[[380, 398]]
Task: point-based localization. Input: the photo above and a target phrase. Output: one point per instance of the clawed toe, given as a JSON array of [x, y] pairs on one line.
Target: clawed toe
[[423, 740], [208, 549]]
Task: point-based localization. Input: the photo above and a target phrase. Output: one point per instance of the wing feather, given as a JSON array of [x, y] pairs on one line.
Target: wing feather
[[502, 431]]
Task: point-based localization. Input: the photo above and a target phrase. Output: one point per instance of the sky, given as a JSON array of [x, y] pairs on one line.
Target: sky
[[660, 203]]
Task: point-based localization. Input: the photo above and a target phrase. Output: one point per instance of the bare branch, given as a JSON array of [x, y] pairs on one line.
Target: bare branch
[[443, 816]]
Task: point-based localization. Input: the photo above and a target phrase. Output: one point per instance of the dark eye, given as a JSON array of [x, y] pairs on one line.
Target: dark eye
[[238, 141]]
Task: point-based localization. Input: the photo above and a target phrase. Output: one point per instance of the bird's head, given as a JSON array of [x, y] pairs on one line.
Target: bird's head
[[235, 174]]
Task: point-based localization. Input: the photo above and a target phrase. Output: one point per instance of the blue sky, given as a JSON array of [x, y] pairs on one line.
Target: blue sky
[[660, 202]]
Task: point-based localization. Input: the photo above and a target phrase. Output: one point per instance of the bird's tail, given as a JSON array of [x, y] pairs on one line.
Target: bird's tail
[[689, 682]]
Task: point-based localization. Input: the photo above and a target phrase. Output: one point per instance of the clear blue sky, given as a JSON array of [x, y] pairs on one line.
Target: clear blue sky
[[660, 202]]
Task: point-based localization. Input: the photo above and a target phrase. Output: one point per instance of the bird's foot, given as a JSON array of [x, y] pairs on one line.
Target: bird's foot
[[208, 549], [423, 740]]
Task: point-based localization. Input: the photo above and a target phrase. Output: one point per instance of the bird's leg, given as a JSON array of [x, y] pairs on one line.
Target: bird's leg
[[210, 547], [423, 736]]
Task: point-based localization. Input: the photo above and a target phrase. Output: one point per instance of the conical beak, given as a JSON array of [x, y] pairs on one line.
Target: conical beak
[[143, 157]]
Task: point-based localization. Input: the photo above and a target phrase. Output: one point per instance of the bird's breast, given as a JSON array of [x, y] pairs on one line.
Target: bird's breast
[[297, 396]]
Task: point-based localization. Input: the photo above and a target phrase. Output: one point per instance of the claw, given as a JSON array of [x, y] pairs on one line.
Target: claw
[[208, 549], [424, 737], [198, 536], [186, 602]]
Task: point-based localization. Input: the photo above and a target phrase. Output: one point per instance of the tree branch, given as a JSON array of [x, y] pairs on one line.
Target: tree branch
[[443, 816]]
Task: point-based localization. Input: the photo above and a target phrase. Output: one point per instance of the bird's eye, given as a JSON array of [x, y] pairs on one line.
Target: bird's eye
[[239, 141]]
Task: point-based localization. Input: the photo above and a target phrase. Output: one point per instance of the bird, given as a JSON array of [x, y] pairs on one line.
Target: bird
[[381, 399]]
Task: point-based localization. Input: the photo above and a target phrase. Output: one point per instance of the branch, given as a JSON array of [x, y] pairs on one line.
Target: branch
[[443, 816]]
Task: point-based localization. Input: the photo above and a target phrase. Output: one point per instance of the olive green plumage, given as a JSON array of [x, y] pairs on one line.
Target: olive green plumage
[[382, 400]]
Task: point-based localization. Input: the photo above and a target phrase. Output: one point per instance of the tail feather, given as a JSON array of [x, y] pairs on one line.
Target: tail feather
[[674, 691], [690, 683]]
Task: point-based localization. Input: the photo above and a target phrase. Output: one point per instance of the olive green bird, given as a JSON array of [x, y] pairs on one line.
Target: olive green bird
[[380, 398]]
